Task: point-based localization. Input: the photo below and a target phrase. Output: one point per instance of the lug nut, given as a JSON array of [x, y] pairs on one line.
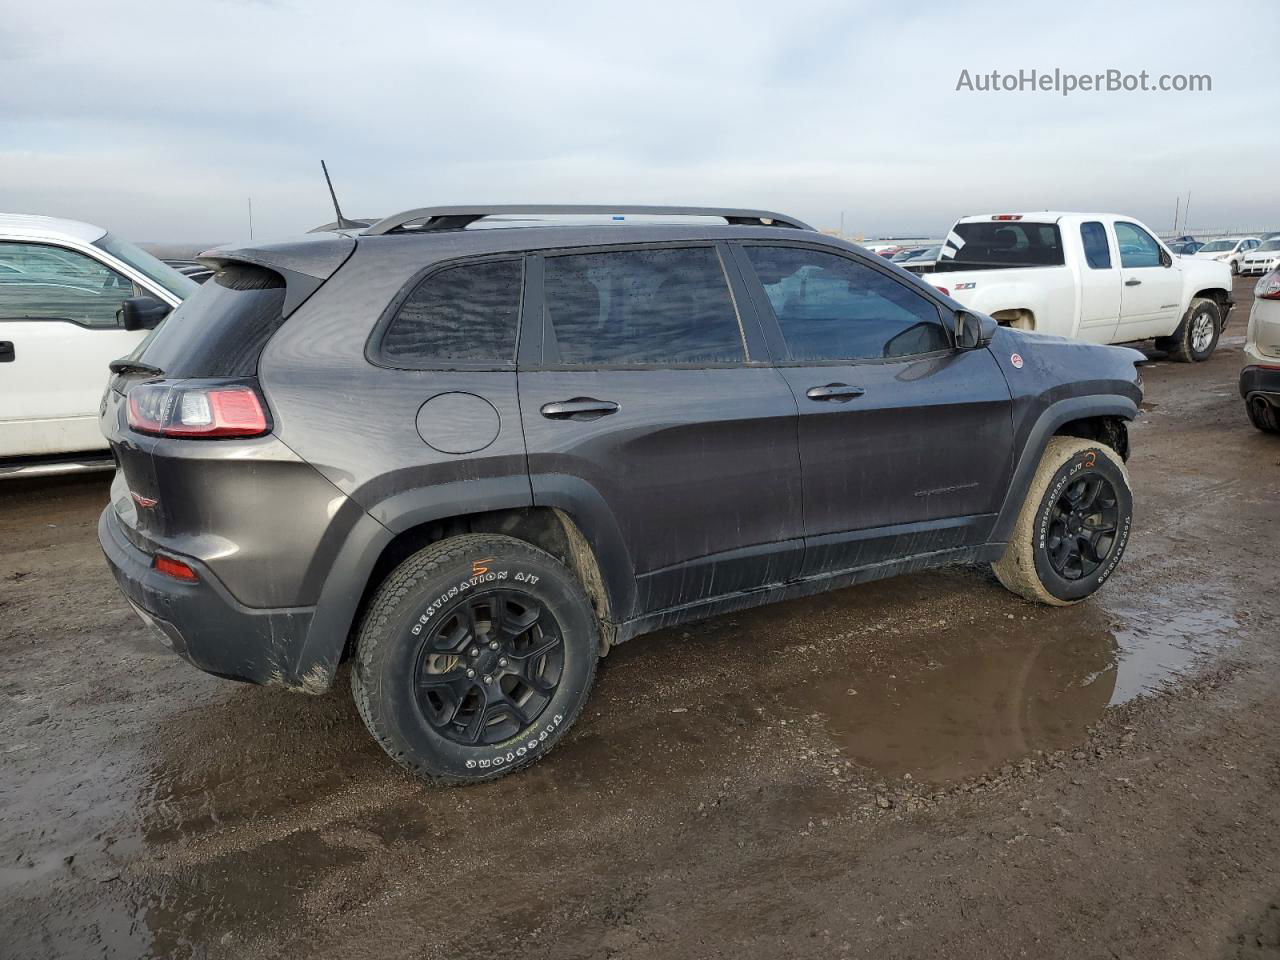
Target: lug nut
[[470, 674], [493, 644], [488, 679], [502, 661], [475, 651]]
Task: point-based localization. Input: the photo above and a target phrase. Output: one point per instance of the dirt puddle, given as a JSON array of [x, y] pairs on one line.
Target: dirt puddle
[[963, 699]]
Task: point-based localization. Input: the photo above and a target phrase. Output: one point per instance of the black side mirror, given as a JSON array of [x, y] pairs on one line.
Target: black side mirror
[[141, 313], [973, 330]]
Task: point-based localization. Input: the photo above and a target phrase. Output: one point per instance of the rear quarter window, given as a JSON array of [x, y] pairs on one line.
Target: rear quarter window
[[468, 313], [220, 330]]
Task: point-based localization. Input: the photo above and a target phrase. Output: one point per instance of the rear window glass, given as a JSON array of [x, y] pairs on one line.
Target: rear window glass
[[1003, 244], [642, 306], [220, 330], [467, 312]]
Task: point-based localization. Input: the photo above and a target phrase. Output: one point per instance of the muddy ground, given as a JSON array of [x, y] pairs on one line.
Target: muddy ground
[[925, 766]]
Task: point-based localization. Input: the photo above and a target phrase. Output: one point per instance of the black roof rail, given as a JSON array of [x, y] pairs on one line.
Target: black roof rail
[[455, 218]]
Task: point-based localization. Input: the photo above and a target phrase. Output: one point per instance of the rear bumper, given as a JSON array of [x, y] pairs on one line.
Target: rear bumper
[[208, 627], [1260, 381]]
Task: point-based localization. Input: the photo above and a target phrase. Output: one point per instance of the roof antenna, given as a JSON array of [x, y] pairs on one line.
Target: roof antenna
[[343, 222]]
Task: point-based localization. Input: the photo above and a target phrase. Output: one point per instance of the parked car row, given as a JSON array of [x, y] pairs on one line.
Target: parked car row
[[1228, 250]]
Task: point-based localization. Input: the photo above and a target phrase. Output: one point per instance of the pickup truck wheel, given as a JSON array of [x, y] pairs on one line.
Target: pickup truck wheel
[[1262, 415], [1197, 335], [1073, 526], [475, 656]]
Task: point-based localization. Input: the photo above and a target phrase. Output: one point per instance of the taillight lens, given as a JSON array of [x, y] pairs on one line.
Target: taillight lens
[[197, 410], [945, 291], [1268, 287]]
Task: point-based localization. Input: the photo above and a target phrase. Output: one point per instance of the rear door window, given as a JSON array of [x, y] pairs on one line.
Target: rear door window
[[996, 244], [45, 282], [1097, 252], [663, 306], [467, 313]]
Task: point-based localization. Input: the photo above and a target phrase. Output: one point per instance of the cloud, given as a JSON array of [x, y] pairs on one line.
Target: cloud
[[161, 120]]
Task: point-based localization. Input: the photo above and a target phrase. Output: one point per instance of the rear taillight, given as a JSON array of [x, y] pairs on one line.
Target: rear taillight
[[197, 410], [945, 291], [1268, 287]]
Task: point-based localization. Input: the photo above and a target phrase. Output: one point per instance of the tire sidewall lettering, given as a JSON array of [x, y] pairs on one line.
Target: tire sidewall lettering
[[470, 583]]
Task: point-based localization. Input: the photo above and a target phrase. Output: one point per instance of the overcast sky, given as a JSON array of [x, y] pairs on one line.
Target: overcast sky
[[160, 120]]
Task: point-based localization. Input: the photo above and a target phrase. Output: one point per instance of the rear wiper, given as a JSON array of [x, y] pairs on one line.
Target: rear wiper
[[125, 365]]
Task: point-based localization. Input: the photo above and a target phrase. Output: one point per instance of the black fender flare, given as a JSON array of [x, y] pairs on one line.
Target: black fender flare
[[355, 560], [353, 563], [587, 508], [1046, 425]]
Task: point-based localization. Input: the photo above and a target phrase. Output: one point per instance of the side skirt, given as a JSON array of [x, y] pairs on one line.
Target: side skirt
[[772, 593]]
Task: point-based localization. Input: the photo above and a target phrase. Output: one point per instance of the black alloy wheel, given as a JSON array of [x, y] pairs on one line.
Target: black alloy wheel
[[488, 670], [1082, 527]]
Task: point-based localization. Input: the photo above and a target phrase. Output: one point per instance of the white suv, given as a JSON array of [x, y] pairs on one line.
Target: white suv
[[62, 285]]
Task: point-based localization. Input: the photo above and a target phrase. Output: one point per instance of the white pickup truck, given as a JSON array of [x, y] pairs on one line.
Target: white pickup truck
[[63, 285], [1099, 277]]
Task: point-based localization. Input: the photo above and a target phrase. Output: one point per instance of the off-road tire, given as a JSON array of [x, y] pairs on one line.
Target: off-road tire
[[1025, 568], [1262, 415], [424, 592], [1182, 345]]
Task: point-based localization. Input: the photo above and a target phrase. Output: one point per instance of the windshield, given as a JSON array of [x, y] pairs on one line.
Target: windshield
[[989, 245], [1219, 246], [154, 270], [1270, 244]]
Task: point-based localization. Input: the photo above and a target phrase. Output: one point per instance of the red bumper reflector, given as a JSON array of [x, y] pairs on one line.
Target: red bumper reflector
[[173, 568]]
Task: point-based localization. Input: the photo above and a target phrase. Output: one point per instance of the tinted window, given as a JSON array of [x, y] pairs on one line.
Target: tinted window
[[38, 281], [1003, 243], [219, 330], [1137, 247], [1096, 252], [642, 306], [467, 312], [833, 308]]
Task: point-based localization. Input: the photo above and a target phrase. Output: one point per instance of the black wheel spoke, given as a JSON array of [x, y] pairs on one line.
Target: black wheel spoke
[[515, 711], [540, 647]]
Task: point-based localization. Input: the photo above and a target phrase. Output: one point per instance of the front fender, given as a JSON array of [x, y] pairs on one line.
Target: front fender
[[1037, 439]]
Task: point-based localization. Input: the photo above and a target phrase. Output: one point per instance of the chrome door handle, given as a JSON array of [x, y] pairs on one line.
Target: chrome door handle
[[579, 408], [835, 392]]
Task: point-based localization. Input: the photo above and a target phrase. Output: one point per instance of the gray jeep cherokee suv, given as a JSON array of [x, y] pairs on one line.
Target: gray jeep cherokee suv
[[472, 460]]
